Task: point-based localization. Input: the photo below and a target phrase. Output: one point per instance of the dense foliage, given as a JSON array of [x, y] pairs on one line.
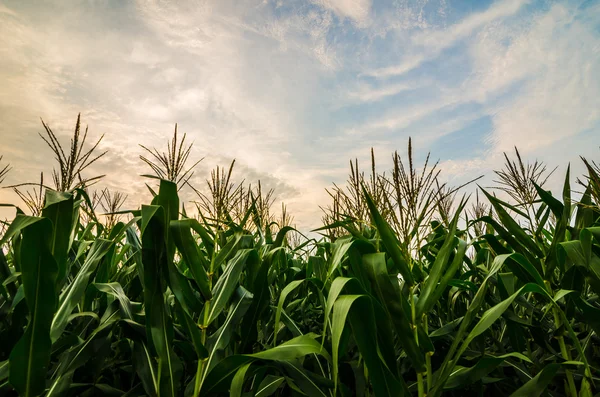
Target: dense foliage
[[502, 299]]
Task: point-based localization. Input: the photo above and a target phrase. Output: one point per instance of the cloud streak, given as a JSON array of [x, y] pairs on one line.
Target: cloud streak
[[295, 89], [429, 44]]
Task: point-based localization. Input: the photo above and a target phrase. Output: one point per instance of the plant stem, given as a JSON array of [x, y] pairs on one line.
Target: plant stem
[[202, 362], [428, 356], [565, 354], [413, 313], [420, 384]]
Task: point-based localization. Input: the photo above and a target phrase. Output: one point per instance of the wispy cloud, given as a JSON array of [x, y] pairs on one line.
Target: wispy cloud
[[445, 38], [367, 93], [294, 89], [428, 44], [356, 10], [556, 63], [6, 10], [403, 67]]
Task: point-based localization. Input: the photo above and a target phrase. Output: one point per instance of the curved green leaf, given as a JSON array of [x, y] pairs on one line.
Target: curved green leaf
[[389, 239], [30, 356], [269, 385], [228, 282], [73, 293], [284, 293], [538, 384], [359, 311], [180, 231], [59, 209]]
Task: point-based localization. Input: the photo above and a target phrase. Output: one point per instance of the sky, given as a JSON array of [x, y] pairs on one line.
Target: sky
[[295, 89]]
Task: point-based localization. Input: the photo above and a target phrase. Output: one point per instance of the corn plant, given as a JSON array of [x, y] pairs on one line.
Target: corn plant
[[224, 198], [456, 323], [32, 198], [171, 165], [518, 179], [75, 161], [164, 304], [111, 203]]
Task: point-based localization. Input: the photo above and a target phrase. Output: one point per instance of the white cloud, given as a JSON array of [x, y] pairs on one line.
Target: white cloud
[[428, 44], [537, 80], [278, 85], [357, 10], [405, 117], [136, 84], [397, 70], [444, 38], [141, 54], [456, 168], [212, 26], [5, 10], [552, 69], [366, 93]]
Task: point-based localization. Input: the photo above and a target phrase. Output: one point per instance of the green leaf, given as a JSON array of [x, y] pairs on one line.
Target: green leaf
[[73, 293], [512, 226], [529, 268], [269, 385], [438, 269], [59, 209], [389, 239], [260, 289], [493, 313], [555, 205], [359, 311], [116, 291], [301, 377], [319, 267], [290, 350], [221, 338], [207, 240], [221, 374], [337, 328], [145, 368], [30, 356], [226, 251], [281, 236], [7, 278], [228, 282], [294, 348], [80, 354], [391, 299], [159, 326], [237, 383], [284, 293], [537, 385], [168, 199], [446, 329], [338, 284], [584, 217], [180, 286], [4, 370], [20, 222], [180, 231], [466, 376], [343, 246], [451, 357]]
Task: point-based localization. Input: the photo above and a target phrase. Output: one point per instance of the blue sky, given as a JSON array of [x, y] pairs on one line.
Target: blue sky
[[295, 89]]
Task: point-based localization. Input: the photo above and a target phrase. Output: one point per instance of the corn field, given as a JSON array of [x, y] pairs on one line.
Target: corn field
[[411, 290]]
